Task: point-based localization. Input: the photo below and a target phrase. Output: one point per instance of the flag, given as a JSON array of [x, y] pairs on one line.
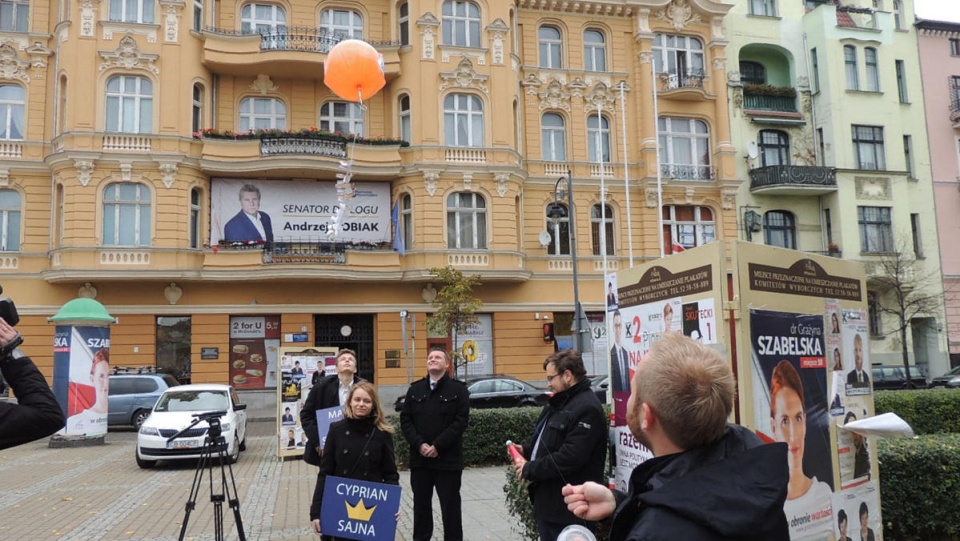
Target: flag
[[676, 248], [397, 230]]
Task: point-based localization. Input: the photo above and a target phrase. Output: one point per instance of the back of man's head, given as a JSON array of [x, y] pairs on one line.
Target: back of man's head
[[690, 388]]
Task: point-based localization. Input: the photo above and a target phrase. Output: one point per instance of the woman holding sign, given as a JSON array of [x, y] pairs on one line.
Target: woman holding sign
[[358, 447]]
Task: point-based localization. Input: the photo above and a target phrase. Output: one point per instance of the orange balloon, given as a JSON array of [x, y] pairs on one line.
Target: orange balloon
[[354, 70]]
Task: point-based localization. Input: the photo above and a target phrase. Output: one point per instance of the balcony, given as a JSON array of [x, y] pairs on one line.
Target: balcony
[[776, 103], [678, 171], [955, 112], [282, 146], [793, 180], [687, 85]]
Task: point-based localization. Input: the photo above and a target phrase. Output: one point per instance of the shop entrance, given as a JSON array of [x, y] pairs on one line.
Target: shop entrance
[[353, 331]]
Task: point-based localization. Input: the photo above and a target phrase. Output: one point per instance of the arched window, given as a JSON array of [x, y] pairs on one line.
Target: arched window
[[774, 148], [601, 216], [559, 228], [12, 108], [126, 214], [686, 226], [406, 220], [342, 23], [463, 120], [752, 73], [685, 149], [403, 20], [594, 50], [341, 116], [466, 221], [461, 23], [779, 229], [10, 204], [129, 104], [554, 138], [195, 218], [598, 132], [551, 47], [262, 114], [197, 116], [406, 128], [262, 19]]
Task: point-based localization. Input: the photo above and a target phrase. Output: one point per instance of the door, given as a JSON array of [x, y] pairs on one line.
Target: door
[[351, 331]]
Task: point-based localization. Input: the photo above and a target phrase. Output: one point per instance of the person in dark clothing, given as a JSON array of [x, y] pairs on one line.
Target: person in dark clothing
[[842, 524], [358, 447], [36, 413], [329, 392], [568, 445], [709, 480], [434, 417]]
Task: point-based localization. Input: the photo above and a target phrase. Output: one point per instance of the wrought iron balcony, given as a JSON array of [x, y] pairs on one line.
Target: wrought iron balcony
[[763, 102], [302, 145], [678, 171], [298, 39], [802, 179], [955, 112], [673, 81], [305, 252]]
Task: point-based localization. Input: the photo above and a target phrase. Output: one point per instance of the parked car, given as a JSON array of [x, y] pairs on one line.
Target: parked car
[[893, 378], [950, 380], [132, 396], [498, 392], [177, 409], [600, 384]]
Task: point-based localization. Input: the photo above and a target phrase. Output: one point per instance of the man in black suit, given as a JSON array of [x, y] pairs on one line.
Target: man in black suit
[[611, 296], [619, 358], [249, 224], [857, 377], [330, 391]]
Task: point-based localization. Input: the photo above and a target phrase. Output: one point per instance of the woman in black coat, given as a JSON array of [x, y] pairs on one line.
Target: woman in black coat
[[358, 447]]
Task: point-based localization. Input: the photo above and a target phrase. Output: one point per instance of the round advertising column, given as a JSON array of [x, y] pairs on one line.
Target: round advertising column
[[81, 372]]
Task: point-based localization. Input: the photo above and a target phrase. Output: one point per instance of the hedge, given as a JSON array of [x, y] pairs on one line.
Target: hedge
[[928, 411]]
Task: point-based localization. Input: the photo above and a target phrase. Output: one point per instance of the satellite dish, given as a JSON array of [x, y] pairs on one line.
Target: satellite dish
[[752, 151], [545, 238]]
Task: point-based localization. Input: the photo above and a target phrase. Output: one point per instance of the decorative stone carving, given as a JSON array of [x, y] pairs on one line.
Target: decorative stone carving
[[689, 195], [576, 87], [87, 291], [430, 181], [532, 84], [11, 66], [468, 182], [88, 17], [737, 99], [172, 293], [555, 97], [126, 171], [716, 28], [128, 56], [679, 14], [428, 293], [84, 171], [502, 180], [650, 195], [4, 177], [464, 77], [728, 198], [601, 97], [497, 31], [872, 188], [646, 57], [168, 173], [264, 85], [719, 64], [803, 82], [171, 23], [38, 56], [643, 21], [428, 24], [733, 77]]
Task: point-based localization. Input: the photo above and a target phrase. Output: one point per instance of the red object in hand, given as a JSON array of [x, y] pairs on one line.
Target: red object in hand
[[515, 454]]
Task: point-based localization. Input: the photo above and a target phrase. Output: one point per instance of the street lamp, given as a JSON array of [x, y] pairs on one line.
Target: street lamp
[[556, 212]]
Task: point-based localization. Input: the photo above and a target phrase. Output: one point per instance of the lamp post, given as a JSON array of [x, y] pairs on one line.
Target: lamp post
[[556, 212]]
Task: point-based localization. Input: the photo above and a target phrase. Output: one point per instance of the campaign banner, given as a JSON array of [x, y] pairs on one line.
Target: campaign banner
[[250, 211], [81, 359], [325, 418], [475, 343], [361, 510]]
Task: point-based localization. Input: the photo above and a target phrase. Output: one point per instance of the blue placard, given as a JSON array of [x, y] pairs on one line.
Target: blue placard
[[360, 509], [301, 337], [325, 418]]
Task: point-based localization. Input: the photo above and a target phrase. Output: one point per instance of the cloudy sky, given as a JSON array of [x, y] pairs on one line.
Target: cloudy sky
[[939, 10]]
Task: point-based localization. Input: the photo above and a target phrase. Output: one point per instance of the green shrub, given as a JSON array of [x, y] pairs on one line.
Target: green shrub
[[920, 487], [928, 411], [519, 506]]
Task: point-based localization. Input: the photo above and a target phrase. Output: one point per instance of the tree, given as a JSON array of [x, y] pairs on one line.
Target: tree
[[455, 308], [906, 289]]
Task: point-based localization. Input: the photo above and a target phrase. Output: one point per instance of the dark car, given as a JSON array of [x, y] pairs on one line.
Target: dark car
[[132, 396], [498, 392], [950, 380], [892, 378], [600, 384]]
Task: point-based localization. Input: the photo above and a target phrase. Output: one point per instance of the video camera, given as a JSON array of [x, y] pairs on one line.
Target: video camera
[[8, 310]]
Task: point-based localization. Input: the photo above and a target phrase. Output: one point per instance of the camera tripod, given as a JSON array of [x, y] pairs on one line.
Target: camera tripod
[[214, 446]]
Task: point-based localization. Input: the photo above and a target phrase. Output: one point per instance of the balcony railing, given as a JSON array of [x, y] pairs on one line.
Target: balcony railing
[[762, 102], [296, 38], [955, 109], [793, 175], [673, 81], [302, 145], [678, 171], [334, 253]]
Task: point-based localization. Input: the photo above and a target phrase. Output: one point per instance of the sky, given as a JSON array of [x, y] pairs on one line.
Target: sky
[[938, 10]]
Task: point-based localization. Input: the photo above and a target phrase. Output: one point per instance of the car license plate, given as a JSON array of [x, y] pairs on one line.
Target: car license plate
[[183, 444]]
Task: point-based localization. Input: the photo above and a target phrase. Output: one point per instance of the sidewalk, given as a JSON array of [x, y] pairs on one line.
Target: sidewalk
[[99, 493]]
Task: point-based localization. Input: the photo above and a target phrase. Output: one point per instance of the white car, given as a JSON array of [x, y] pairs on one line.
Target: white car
[[176, 409]]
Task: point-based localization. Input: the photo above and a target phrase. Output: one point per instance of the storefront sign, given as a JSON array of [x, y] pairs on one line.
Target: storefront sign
[[209, 353]]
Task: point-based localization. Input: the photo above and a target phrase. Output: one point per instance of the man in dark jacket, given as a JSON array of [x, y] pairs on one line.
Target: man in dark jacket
[[709, 480], [36, 413], [328, 392], [434, 417], [568, 445]]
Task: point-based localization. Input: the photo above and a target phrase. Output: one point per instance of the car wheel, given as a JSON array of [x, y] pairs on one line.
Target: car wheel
[[139, 417], [235, 455], [144, 464], [243, 444]]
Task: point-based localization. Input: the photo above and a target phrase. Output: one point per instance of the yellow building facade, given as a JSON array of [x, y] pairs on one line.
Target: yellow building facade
[[121, 123]]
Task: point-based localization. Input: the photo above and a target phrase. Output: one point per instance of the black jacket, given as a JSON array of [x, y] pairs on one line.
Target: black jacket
[[356, 449], [325, 394], [437, 418], [571, 451], [733, 489], [36, 413]]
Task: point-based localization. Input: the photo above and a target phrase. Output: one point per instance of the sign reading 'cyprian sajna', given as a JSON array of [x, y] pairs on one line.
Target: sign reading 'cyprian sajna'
[[361, 510]]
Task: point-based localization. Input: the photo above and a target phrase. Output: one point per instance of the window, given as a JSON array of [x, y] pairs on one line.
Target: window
[[602, 216], [262, 19], [780, 229], [406, 220], [850, 62], [129, 104], [752, 73], [342, 23], [174, 338], [126, 215], [15, 15], [551, 47], [874, 313], [685, 148], [687, 227], [262, 114], [908, 155], [822, 148], [554, 138], [11, 112], [463, 120], [902, 81], [868, 146], [559, 229], [58, 219], [873, 72], [61, 98], [955, 92], [9, 220], [198, 15], [954, 46], [828, 225], [678, 55], [815, 67], [404, 21], [406, 129], [915, 230], [341, 116], [774, 148], [195, 218], [461, 24], [876, 230], [594, 51], [897, 14], [766, 8], [598, 133], [466, 221], [132, 11], [197, 108]]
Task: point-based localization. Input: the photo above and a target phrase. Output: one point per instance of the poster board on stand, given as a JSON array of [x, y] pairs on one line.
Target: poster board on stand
[[297, 367]]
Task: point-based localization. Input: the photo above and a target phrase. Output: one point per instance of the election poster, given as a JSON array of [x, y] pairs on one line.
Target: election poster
[[475, 343], [857, 514], [297, 368], [81, 357], [355, 509], [325, 418]]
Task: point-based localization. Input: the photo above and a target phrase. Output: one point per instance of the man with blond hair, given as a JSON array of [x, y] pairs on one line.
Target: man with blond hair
[[709, 480]]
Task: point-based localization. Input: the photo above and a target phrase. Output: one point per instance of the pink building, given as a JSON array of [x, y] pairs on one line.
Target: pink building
[[940, 69]]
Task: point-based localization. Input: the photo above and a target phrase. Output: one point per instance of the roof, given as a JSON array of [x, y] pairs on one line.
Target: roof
[[200, 387]]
